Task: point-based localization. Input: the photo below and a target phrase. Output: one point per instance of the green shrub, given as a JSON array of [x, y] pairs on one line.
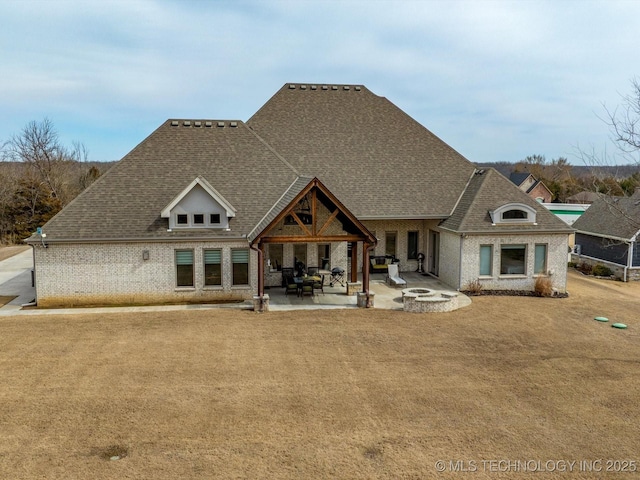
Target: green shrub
[[601, 271]]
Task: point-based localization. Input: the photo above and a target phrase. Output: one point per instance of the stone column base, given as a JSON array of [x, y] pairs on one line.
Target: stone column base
[[354, 287], [261, 304], [365, 301]]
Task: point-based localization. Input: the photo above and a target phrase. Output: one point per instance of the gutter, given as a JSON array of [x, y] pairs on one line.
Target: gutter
[[137, 240]]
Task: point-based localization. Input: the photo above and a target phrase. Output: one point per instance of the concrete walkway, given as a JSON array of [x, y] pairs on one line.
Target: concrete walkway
[[15, 280]]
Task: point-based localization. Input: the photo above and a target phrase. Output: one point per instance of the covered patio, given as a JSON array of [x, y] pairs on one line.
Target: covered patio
[[386, 296]]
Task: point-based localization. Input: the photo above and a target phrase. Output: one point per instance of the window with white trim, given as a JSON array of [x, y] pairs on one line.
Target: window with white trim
[[513, 259], [540, 260], [240, 266], [212, 267], [486, 260], [184, 268]]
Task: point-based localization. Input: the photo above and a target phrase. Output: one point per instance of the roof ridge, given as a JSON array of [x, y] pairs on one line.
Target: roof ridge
[[482, 175], [272, 150]]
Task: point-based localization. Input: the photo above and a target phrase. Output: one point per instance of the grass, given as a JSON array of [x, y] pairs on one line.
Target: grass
[[322, 394]]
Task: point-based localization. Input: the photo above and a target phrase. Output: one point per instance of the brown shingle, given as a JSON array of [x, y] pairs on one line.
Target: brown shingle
[[375, 158], [488, 191], [612, 216], [126, 202]]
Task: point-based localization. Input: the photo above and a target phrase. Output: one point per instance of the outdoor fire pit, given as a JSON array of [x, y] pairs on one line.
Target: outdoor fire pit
[[424, 300]]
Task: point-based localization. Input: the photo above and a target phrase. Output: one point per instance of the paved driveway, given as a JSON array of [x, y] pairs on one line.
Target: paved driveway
[[15, 280]]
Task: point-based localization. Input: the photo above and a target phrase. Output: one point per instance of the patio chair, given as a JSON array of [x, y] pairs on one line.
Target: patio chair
[[393, 276], [318, 285], [307, 287], [286, 272], [312, 271], [290, 285]]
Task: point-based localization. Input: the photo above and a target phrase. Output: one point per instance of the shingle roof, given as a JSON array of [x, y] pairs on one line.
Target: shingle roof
[[126, 202], [518, 177], [612, 216], [375, 158], [489, 190]]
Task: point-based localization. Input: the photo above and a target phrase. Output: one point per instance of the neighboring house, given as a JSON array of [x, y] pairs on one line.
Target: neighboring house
[[567, 212], [536, 189], [608, 234], [325, 175]]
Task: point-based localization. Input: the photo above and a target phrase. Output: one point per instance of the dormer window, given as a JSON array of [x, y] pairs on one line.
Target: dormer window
[[513, 213], [200, 206]]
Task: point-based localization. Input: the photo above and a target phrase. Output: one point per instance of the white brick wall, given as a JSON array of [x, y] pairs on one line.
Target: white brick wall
[[557, 247], [85, 274], [449, 266]]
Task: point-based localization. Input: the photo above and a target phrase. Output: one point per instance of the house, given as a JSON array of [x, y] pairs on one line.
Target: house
[[321, 175], [536, 189], [608, 232]]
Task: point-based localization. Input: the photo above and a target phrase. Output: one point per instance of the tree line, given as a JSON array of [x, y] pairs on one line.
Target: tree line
[[565, 180], [38, 177]]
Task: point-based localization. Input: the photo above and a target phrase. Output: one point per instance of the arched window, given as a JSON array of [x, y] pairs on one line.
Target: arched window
[[513, 213]]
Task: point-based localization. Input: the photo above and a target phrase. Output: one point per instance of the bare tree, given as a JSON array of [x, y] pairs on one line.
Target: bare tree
[[624, 120], [38, 147]]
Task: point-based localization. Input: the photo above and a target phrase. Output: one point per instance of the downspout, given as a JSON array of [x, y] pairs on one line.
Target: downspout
[[33, 273], [460, 262], [629, 261], [260, 271]]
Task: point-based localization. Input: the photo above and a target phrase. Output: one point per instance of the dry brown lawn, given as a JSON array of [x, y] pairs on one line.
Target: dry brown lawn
[[326, 394], [6, 252]]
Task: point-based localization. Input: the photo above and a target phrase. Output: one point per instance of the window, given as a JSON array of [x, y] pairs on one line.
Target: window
[[324, 255], [540, 261], [412, 245], [240, 262], [184, 268], [514, 215], [182, 219], [198, 219], [299, 255], [214, 219], [513, 259], [276, 255], [390, 243], [212, 267], [486, 260]]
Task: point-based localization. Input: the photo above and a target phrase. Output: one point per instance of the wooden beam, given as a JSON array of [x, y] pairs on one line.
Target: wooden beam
[[299, 222], [314, 211], [329, 221], [312, 239], [354, 261]]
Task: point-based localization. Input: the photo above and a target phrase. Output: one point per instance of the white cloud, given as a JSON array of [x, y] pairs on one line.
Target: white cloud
[[498, 80]]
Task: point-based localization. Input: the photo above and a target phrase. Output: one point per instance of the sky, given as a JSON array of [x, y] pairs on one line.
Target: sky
[[496, 80]]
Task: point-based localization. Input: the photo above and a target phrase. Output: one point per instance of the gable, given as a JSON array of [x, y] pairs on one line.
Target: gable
[[199, 206]]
